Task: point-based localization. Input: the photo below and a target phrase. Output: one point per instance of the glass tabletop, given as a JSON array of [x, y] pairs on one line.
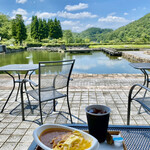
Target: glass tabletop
[[140, 65], [19, 67]]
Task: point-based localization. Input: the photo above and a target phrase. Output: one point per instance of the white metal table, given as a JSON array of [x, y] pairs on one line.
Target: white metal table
[[18, 68], [143, 67], [135, 137]]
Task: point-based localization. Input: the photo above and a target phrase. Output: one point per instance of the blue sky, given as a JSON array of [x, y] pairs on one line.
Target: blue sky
[[78, 15]]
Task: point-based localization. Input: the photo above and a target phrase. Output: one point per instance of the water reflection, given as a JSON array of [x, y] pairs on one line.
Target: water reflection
[[94, 63], [30, 58]]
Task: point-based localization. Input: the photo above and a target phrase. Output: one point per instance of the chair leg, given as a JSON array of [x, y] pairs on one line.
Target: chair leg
[[69, 108], [139, 111], [54, 102], [41, 112], [129, 108], [17, 92], [28, 98], [22, 103]]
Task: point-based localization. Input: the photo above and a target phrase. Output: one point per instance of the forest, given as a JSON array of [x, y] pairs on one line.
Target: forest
[[49, 32], [136, 32]]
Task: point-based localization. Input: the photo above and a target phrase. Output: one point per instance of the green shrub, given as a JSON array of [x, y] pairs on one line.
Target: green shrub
[[51, 44], [45, 40], [37, 44], [16, 47], [77, 44]]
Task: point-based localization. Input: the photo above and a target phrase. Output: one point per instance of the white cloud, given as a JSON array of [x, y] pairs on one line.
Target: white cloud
[[134, 9], [108, 63], [112, 14], [28, 21], [112, 19], [89, 26], [83, 66], [45, 15], [65, 14], [76, 7], [24, 17], [20, 11], [112, 22], [75, 26], [125, 14], [76, 29], [41, 0], [21, 1], [70, 23], [81, 15]]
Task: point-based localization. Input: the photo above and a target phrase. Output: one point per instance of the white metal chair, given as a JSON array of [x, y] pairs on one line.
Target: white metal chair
[[140, 94], [53, 76]]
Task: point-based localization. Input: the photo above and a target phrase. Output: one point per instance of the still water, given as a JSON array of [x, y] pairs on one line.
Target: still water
[[91, 63]]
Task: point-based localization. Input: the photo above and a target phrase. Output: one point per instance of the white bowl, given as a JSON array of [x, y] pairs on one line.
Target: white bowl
[[40, 129]]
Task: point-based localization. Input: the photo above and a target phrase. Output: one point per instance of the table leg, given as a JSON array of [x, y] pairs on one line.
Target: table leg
[[10, 92], [19, 82], [14, 82]]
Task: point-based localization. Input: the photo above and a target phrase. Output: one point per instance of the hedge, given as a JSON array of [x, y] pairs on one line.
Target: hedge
[[34, 44]]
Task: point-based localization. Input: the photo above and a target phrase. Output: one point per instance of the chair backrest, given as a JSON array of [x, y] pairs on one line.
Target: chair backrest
[[55, 74]]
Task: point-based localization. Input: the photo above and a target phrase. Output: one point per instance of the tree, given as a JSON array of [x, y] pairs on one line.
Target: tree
[[19, 29], [40, 30], [58, 30], [13, 28], [5, 26], [45, 29], [51, 28], [34, 27], [55, 30], [67, 36]]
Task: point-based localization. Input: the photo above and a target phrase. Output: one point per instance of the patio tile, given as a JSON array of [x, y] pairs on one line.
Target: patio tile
[[13, 125], [1, 144], [7, 131], [24, 125], [22, 146], [3, 124], [34, 125], [19, 131], [29, 132], [14, 138], [3, 137], [27, 138], [111, 90], [8, 119], [8, 146]]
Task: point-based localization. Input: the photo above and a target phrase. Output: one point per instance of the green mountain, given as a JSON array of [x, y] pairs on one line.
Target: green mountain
[[92, 33], [138, 31]]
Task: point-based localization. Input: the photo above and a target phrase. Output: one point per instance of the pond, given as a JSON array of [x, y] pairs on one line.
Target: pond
[[90, 63]]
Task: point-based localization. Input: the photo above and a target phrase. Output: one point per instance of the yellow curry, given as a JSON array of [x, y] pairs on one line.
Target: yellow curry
[[75, 141]]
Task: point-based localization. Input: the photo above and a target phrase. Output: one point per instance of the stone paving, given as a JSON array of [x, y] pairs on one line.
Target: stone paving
[[137, 56], [85, 89]]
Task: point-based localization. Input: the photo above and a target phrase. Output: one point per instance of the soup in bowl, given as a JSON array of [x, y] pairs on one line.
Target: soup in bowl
[[55, 137]]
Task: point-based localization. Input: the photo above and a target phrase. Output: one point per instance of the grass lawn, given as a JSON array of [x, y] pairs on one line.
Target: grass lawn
[[121, 46]]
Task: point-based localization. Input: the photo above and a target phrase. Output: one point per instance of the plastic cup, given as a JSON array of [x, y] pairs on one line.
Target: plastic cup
[[98, 122]]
